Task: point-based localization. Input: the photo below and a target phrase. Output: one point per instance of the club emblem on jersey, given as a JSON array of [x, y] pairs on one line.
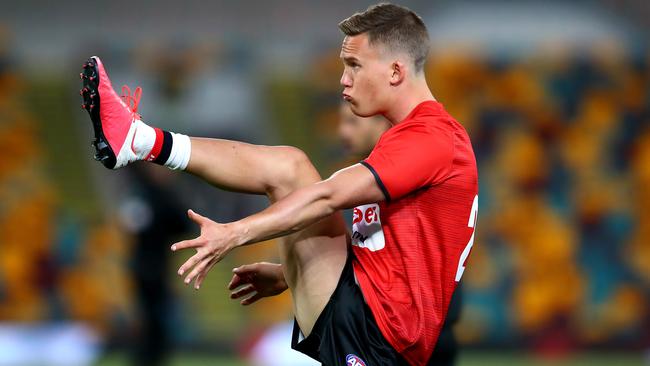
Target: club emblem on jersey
[[354, 360], [366, 228]]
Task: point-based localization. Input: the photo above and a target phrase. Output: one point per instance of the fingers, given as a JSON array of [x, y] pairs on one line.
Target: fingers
[[242, 292], [246, 268], [238, 280], [235, 281], [204, 273], [243, 274], [197, 269], [251, 299], [193, 243], [198, 219], [191, 262]]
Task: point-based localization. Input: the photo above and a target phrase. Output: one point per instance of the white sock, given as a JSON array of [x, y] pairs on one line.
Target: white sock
[[145, 138], [179, 157]]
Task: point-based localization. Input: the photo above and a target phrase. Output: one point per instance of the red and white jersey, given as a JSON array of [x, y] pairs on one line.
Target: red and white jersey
[[411, 248]]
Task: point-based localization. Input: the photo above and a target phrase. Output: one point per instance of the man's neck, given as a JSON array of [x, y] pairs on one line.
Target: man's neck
[[407, 99]]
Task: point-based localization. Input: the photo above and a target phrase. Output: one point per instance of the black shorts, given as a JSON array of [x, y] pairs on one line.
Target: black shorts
[[346, 330]]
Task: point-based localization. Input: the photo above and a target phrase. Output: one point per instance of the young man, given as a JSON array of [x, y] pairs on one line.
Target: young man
[[251, 282], [415, 196]]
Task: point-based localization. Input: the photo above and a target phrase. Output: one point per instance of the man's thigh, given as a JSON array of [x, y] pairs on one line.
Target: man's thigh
[[313, 260]]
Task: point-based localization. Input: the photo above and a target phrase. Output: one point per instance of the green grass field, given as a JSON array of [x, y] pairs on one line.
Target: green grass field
[[469, 358]]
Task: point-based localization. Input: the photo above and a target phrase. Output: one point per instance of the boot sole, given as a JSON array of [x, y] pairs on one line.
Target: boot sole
[[90, 93]]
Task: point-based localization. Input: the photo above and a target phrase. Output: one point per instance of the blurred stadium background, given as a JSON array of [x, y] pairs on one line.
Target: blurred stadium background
[[555, 95]]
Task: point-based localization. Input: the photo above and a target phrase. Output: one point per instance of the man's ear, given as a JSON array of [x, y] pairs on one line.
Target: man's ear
[[398, 73]]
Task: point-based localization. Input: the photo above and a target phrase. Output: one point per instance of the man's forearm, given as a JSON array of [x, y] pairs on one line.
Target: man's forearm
[[289, 215], [347, 188]]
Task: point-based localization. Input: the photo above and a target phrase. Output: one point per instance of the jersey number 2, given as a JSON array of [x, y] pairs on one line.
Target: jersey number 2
[[468, 248]]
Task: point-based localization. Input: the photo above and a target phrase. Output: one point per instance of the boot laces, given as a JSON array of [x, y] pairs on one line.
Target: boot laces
[[132, 99]]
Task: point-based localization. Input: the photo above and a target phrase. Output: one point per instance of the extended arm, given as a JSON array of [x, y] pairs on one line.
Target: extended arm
[[347, 188]]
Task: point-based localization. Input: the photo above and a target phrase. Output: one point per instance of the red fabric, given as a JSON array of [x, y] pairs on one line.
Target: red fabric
[[408, 249], [157, 145]]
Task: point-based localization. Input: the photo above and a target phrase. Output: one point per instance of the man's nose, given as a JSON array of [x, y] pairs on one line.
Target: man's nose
[[346, 81]]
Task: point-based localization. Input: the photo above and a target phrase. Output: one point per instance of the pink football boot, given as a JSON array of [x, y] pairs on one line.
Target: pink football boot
[[113, 117]]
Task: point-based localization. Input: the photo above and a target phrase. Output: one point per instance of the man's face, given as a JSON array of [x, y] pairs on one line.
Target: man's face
[[358, 134], [366, 76]]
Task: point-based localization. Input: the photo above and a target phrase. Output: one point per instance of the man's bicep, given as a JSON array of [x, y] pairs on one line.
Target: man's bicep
[[353, 186]]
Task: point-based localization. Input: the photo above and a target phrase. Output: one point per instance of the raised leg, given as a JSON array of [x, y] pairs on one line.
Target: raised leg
[[312, 258]]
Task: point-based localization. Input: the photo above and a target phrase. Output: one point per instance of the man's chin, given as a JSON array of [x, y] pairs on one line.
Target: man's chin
[[361, 113], [354, 107]]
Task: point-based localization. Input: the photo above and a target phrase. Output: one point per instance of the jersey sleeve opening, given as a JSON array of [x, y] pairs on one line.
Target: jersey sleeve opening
[[378, 180]]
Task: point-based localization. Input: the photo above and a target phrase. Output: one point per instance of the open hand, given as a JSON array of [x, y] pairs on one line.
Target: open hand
[[263, 279], [215, 241]]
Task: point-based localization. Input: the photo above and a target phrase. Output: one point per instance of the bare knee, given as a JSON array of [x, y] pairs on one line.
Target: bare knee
[[292, 170]]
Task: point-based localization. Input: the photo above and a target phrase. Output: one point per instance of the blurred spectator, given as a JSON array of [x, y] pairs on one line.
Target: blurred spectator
[[153, 216]]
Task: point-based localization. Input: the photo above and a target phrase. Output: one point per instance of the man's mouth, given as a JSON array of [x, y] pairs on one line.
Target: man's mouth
[[347, 98]]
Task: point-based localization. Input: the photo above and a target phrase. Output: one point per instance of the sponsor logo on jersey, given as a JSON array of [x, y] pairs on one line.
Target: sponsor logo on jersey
[[354, 360], [366, 228]]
